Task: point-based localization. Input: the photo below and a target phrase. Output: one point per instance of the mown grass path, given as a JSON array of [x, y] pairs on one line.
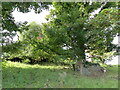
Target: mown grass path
[[18, 75]]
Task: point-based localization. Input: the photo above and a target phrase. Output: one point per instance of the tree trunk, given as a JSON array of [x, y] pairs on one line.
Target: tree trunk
[[81, 54]]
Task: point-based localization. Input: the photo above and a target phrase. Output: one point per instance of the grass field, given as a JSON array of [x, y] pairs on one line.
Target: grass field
[[18, 75]]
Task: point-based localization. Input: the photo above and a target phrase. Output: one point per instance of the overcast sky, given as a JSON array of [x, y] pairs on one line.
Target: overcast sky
[[30, 16], [40, 18]]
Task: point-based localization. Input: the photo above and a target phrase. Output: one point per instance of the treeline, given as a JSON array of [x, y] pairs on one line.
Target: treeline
[[71, 32]]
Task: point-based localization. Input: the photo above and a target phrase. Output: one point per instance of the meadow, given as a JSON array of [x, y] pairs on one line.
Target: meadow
[[19, 75], [71, 32]]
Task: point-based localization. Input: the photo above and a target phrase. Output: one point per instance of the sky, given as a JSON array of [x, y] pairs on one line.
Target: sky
[[30, 16], [40, 18]]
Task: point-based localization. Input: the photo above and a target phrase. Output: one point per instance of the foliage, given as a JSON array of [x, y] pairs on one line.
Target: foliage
[[104, 29], [78, 32], [70, 32], [69, 27], [9, 26], [9, 7], [32, 43]]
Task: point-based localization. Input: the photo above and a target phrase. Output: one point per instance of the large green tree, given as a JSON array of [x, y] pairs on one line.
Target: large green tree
[[70, 26]]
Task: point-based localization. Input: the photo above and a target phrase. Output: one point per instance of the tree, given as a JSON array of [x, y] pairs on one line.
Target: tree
[[102, 30], [9, 26], [71, 27]]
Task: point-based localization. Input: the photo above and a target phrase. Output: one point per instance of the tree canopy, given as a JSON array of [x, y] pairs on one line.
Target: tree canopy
[[71, 32]]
